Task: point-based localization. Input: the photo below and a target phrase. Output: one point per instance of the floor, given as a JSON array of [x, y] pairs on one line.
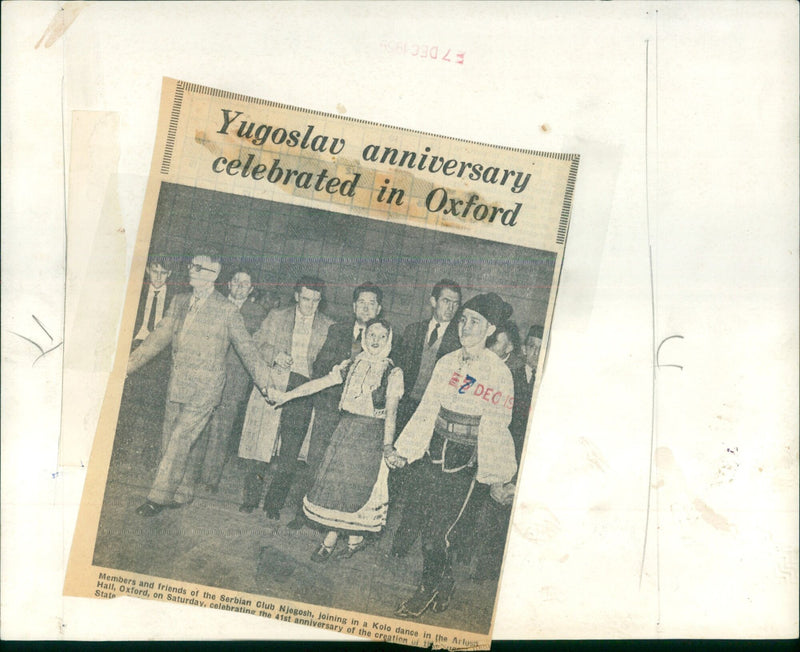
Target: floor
[[211, 543]]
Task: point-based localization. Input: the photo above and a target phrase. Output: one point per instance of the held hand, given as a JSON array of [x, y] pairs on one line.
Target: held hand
[[276, 397], [283, 360], [502, 493], [265, 393], [395, 461]]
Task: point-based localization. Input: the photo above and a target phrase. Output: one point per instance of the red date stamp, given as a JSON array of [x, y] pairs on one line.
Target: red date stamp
[[425, 51]]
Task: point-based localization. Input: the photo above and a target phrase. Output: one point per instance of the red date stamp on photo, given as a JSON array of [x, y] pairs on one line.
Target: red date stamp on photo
[[425, 51]]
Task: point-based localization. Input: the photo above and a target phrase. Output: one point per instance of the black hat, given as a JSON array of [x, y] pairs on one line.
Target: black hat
[[491, 306]]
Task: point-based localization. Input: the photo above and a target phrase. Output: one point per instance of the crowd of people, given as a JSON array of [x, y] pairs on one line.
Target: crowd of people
[[430, 422]]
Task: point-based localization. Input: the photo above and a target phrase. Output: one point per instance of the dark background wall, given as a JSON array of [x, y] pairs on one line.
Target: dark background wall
[[281, 242]]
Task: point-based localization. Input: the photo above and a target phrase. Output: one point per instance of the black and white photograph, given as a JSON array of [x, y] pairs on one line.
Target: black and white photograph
[[323, 408]]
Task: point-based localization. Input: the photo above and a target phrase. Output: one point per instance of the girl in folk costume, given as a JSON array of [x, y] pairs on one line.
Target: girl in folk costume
[[350, 494]]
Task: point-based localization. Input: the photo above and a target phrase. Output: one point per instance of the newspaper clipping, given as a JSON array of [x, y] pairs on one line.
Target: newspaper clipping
[[331, 344]]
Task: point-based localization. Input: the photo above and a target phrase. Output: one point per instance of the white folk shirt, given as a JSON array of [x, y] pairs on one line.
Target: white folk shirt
[[479, 386]]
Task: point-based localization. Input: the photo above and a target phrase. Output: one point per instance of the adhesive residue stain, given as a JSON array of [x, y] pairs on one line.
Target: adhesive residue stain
[[341, 108], [711, 517], [61, 22], [672, 475], [593, 455], [210, 145]]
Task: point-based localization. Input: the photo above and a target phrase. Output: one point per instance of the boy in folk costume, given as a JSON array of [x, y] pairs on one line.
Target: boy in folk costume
[[460, 432]]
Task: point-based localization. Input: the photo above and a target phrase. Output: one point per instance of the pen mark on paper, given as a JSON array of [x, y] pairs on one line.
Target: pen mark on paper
[[43, 351], [41, 325], [469, 381], [730, 465], [61, 22], [653, 319], [658, 352]]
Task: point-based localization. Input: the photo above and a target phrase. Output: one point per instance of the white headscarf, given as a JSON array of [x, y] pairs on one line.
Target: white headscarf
[[367, 369]]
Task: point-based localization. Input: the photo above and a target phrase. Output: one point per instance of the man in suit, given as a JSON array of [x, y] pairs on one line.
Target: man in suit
[[201, 326], [531, 349], [142, 403], [154, 299], [214, 447], [290, 339], [343, 342], [505, 343], [424, 342]]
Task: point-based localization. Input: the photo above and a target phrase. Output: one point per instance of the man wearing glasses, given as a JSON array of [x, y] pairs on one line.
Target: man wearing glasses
[[200, 325], [213, 449]]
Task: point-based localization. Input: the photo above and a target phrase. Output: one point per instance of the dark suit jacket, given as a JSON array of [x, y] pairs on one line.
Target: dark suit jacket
[[146, 390], [522, 402], [410, 355], [337, 347], [169, 291], [199, 350]]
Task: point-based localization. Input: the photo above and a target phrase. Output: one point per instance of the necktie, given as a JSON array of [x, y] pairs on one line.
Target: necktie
[[151, 320], [434, 335], [358, 337]]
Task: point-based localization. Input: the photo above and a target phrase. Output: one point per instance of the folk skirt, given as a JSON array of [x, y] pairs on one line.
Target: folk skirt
[[350, 491]]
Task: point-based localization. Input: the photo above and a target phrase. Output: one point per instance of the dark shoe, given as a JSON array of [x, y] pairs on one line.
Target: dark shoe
[[322, 553], [296, 523], [418, 603], [246, 509], [150, 509], [273, 514], [350, 549]]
